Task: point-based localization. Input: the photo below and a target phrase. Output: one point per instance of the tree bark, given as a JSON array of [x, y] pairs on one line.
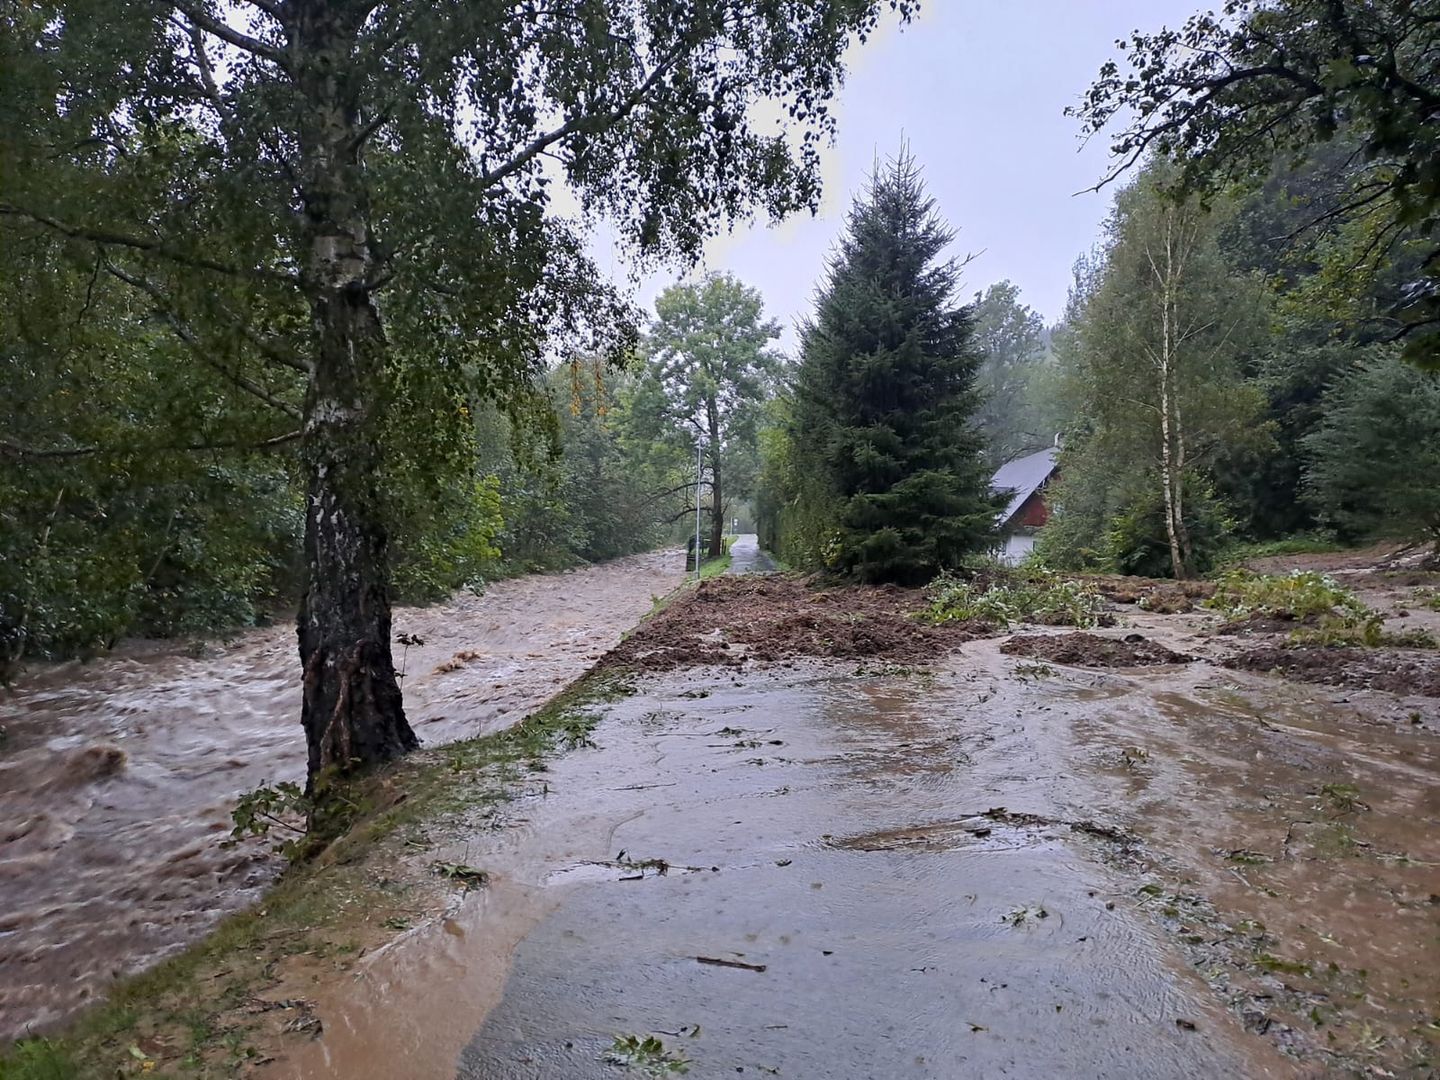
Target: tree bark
[[1171, 463], [717, 487], [352, 713]]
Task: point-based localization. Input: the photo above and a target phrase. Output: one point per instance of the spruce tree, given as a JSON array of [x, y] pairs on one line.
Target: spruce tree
[[886, 395]]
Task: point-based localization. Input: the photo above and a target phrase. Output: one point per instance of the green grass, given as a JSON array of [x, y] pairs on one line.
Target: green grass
[[191, 1003], [714, 567]]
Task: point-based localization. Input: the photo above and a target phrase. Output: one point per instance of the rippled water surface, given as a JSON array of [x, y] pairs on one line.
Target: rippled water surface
[[118, 775]]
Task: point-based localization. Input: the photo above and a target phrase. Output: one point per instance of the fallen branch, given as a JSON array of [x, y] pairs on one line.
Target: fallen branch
[[715, 961]]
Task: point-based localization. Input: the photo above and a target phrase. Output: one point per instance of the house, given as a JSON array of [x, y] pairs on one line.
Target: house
[[1026, 479]]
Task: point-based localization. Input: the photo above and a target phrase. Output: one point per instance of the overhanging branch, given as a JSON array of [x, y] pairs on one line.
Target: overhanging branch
[[10, 448], [109, 238], [229, 35]]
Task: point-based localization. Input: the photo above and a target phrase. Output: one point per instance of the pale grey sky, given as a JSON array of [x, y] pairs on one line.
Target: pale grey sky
[[978, 89]]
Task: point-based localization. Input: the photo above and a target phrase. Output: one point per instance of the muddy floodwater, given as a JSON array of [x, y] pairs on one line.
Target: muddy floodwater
[[117, 776], [985, 867]]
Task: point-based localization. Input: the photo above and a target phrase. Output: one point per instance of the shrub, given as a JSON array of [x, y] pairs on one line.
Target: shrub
[[1135, 541], [1300, 596], [1007, 597]]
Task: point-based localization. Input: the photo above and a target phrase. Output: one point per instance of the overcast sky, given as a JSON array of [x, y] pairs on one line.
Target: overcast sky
[[978, 88]]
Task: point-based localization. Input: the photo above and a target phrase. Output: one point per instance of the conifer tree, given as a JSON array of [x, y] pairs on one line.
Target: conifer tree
[[886, 395]]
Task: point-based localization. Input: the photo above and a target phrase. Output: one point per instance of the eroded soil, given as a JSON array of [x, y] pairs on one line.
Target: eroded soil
[[1400, 671], [117, 776], [1093, 650], [955, 863], [730, 621]]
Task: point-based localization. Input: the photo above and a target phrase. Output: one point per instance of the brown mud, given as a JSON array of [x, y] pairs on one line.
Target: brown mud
[[734, 620], [117, 776], [1153, 594], [961, 868], [1093, 650], [1399, 671]]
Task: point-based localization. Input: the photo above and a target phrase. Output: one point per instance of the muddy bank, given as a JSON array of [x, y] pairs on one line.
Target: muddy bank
[[1399, 671], [1092, 650], [117, 776], [734, 620]]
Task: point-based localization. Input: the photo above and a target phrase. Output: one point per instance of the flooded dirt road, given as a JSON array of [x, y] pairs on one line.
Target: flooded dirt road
[[118, 775], [987, 867]]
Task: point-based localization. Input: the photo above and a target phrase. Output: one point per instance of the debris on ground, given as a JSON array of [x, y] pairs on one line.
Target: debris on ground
[[1159, 595], [1399, 671], [728, 621], [717, 961], [1093, 650]]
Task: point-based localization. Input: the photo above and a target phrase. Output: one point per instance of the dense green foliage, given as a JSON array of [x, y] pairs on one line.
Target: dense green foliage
[[708, 370], [1374, 459], [157, 541], [888, 473], [1155, 352], [1228, 92]]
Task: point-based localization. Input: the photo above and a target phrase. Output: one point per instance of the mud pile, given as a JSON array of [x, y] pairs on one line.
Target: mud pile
[[1399, 671], [1160, 595], [1092, 650], [730, 620]]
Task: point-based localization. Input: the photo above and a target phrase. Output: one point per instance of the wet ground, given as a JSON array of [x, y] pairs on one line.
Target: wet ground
[[117, 776], [982, 866], [746, 557]]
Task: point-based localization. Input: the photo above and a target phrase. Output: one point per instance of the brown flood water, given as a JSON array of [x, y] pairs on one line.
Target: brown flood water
[[118, 775], [978, 872]]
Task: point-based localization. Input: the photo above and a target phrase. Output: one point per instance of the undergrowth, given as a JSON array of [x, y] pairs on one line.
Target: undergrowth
[[1299, 596], [1318, 543], [1003, 595], [1326, 613]]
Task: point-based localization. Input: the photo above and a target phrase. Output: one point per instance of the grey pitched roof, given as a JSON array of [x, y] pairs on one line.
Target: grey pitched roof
[[1023, 477]]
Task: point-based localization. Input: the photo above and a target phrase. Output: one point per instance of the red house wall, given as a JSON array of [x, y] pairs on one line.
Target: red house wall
[[1033, 513]]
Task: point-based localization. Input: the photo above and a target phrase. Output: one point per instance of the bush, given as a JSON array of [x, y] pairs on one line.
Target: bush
[[1300, 596], [1135, 540], [1014, 596]]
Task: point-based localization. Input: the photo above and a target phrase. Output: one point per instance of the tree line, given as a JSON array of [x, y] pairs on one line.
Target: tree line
[[289, 311]]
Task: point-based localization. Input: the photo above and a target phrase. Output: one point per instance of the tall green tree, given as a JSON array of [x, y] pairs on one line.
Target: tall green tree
[[1010, 337], [709, 369], [1374, 460], [885, 395], [1228, 90], [1156, 349], [302, 190]]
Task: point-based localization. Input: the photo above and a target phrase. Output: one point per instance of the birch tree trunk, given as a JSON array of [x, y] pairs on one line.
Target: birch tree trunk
[[717, 490], [352, 712], [1168, 271]]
